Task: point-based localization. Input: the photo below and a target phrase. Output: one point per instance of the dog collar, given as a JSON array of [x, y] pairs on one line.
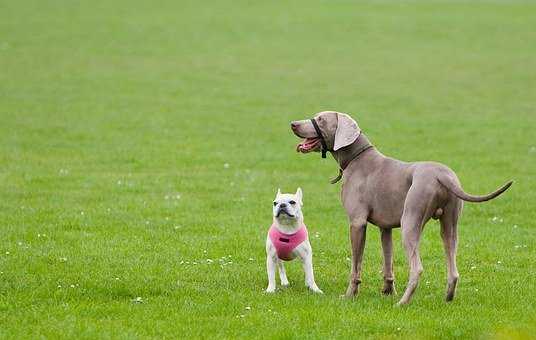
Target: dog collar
[[321, 137], [355, 153]]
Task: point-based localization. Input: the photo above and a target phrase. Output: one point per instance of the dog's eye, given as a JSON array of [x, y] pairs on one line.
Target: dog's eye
[[275, 203], [292, 202]]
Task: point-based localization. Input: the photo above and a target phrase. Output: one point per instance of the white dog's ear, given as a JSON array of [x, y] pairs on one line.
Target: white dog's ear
[[347, 131], [278, 192], [299, 196]]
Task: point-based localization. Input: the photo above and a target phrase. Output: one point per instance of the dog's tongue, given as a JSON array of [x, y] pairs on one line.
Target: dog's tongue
[[307, 145]]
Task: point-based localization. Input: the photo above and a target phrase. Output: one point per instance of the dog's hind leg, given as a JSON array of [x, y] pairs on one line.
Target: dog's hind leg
[[282, 273], [388, 274], [417, 211], [449, 234]]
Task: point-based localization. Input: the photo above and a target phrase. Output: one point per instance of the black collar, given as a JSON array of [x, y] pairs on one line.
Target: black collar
[[321, 137]]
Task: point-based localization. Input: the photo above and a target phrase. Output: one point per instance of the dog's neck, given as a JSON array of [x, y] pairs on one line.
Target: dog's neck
[[288, 225], [347, 154]]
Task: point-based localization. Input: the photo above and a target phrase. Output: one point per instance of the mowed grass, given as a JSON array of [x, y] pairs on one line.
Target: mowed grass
[[142, 144]]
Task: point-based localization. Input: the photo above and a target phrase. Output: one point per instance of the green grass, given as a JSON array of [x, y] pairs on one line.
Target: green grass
[[110, 109]]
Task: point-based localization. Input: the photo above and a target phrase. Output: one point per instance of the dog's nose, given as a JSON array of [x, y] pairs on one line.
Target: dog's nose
[[282, 205], [293, 125]]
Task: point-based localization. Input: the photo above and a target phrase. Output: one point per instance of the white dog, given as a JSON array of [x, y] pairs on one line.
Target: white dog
[[287, 239]]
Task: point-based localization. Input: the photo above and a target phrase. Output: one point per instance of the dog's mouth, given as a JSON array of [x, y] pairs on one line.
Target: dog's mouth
[[284, 211], [308, 145]]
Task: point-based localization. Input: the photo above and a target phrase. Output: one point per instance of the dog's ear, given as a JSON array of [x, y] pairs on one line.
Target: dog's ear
[[278, 192], [347, 131], [299, 196]]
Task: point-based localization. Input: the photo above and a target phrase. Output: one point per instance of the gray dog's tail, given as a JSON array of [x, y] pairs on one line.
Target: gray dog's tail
[[455, 188]]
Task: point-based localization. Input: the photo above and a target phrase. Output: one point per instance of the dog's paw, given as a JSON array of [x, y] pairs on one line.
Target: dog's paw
[[316, 290], [402, 303], [285, 284], [270, 290], [389, 290]]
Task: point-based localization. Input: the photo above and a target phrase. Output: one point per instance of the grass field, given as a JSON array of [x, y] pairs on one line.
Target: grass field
[[142, 145]]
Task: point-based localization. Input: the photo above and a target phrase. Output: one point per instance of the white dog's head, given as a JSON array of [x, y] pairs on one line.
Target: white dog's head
[[287, 207]]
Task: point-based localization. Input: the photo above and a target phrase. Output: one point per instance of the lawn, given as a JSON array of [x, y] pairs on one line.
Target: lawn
[[141, 145]]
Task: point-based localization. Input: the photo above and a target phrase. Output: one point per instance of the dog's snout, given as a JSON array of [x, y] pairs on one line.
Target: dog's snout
[[293, 125], [282, 205]]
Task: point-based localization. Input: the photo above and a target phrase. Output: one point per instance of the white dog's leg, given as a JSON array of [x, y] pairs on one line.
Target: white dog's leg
[[282, 273], [270, 268], [306, 254], [271, 259]]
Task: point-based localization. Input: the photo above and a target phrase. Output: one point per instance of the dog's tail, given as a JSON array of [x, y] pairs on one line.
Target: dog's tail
[[457, 190]]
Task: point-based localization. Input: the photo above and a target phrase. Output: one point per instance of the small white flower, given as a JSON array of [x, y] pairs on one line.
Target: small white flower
[[72, 286], [59, 286], [473, 267], [499, 262], [251, 258], [248, 308], [182, 262], [138, 300], [7, 253], [209, 261], [226, 165], [515, 226], [82, 213], [117, 279], [119, 182], [178, 196], [476, 289], [63, 259], [242, 315], [398, 328]]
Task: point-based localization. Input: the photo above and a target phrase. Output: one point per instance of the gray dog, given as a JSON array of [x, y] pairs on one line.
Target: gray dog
[[388, 193]]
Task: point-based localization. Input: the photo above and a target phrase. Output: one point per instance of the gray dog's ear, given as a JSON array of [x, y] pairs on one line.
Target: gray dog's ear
[[347, 131], [299, 196]]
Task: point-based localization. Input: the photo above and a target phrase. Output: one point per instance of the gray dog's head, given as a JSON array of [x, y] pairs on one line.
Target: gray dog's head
[[288, 206], [339, 130]]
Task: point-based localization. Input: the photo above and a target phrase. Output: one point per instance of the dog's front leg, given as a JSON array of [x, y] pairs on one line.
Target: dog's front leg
[[306, 254], [358, 230], [388, 273], [270, 268], [271, 261], [282, 273]]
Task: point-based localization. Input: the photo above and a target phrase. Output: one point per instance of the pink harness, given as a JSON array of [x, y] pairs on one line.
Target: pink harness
[[285, 243]]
